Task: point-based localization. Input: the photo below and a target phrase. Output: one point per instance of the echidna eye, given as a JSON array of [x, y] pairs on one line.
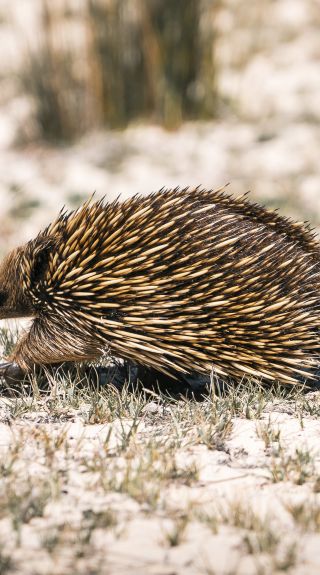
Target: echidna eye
[[40, 264], [3, 297]]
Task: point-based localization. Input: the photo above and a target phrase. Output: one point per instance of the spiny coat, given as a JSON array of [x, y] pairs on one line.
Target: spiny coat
[[180, 280]]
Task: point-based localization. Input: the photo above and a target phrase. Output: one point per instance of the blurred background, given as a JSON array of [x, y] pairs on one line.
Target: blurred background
[[127, 96]]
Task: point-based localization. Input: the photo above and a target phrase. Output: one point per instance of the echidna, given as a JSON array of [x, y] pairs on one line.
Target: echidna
[[180, 281]]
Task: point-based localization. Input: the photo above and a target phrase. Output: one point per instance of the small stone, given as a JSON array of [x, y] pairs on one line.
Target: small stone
[[152, 408]]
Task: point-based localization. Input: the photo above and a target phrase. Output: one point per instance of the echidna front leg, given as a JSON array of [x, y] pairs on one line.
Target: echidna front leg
[[49, 343]]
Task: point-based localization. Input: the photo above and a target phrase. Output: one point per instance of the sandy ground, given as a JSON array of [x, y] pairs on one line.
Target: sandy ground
[[177, 488]]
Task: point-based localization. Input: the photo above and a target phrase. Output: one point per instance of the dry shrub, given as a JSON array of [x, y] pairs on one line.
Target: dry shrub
[[104, 63]]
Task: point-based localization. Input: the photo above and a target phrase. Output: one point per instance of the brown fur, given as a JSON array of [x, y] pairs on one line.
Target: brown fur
[[14, 302], [180, 280]]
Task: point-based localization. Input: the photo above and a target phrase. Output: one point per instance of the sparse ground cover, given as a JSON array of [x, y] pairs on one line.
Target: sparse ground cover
[[96, 481]]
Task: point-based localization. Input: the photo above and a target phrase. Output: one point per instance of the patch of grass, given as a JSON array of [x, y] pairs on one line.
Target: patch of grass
[[92, 520], [268, 433], [306, 514], [286, 558], [24, 500], [212, 519], [238, 514], [140, 469], [76, 538], [309, 405], [7, 565], [213, 435], [262, 537], [28, 485], [297, 467], [8, 339], [11, 458], [175, 535], [51, 538], [264, 540], [100, 519]]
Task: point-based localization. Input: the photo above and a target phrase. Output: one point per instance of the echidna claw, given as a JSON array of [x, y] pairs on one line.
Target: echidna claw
[[11, 372]]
